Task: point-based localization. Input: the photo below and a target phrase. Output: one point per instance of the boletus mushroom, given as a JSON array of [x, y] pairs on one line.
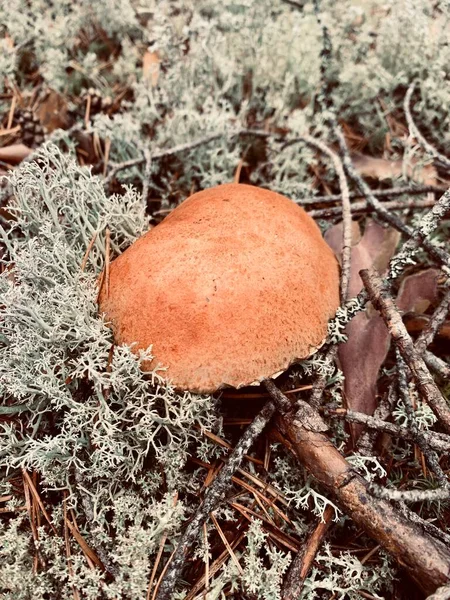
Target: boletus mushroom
[[231, 288]]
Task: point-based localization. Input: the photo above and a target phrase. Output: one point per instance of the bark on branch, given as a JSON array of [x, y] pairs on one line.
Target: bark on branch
[[426, 559]]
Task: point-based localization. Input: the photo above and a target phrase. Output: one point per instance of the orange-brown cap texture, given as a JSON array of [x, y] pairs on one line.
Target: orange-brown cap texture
[[231, 288]]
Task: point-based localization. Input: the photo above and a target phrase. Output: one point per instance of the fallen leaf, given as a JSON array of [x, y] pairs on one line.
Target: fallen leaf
[[362, 356], [150, 67], [380, 168], [368, 339], [418, 291], [15, 153], [53, 111], [416, 323], [375, 248]]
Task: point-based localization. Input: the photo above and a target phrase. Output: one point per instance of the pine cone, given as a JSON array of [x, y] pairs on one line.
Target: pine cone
[[98, 103], [32, 133]]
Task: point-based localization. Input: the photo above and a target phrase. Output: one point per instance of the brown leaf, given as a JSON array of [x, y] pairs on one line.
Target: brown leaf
[[416, 323], [362, 356], [53, 111], [150, 67], [380, 168], [418, 291], [374, 248], [368, 339], [15, 153]]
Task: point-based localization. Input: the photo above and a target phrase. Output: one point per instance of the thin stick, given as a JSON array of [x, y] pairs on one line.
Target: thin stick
[[147, 174], [38, 556], [106, 157], [414, 130], [425, 559], [214, 495], [438, 441], [107, 259], [11, 112], [38, 499], [226, 544], [214, 568], [155, 566], [437, 365], [346, 210], [425, 383], [417, 236], [418, 437], [411, 495], [88, 251], [158, 556], [365, 208], [205, 536], [428, 334], [408, 190], [68, 552], [303, 560], [162, 154], [87, 114]]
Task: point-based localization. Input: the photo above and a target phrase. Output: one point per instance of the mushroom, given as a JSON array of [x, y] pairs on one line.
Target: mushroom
[[234, 286]]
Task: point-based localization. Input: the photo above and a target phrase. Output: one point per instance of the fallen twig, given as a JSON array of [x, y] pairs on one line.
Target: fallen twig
[[417, 236], [425, 383], [410, 495], [214, 495], [428, 334], [438, 441], [134, 162], [414, 130], [426, 559], [363, 208], [408, 190], [303, 560], [417, 435]]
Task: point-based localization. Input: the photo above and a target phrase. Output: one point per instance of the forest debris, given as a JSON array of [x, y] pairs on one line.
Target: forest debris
[[380, 168], [53, 111], [425, 383], [424, 558], [15, 153], [302, 563], [150, 67], [368, 339]]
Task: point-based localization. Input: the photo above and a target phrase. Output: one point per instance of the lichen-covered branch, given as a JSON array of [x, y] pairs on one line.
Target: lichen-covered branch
[[426, 559], [214, 495], [425, 383]]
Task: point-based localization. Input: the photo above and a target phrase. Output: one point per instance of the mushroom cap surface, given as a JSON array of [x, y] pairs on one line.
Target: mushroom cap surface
[[232, 287]]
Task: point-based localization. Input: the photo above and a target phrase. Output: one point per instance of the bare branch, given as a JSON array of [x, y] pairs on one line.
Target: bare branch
[[425, 383], [411, 495], [426, 559], [414, 130], [214, 495]]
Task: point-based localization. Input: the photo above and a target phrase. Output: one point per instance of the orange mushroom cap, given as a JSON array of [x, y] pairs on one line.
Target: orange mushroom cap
[[232, 287]]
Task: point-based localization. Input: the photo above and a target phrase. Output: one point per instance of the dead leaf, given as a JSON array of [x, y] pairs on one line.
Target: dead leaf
[[418, 291], [368, 339], [15, 153], [380, 168], [362, 356], [150, 67], [53, 111], [374, 248], [416, 323]]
